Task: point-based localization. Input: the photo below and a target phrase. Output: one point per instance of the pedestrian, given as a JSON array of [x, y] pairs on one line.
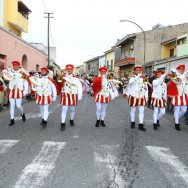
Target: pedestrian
[[18, 88], [137, 95], [45, 94], [71, 92], [103, 93], [158, 98], [177, 89], [2, 90]]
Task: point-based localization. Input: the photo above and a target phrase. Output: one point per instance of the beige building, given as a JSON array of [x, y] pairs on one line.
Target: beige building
[[132, 46], [111, 56]]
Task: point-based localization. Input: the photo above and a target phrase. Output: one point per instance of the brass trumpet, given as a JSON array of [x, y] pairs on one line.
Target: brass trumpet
[[173, 76], [60, 78]]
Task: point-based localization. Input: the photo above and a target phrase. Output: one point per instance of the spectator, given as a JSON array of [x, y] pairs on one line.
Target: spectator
[[186, 117], [2, 86]]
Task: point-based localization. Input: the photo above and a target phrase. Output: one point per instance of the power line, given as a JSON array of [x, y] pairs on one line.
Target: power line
[[51, 35], [44, 5]]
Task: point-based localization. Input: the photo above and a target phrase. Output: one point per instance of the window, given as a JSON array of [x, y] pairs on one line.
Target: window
[[112, 65], [171, 52], [88, 67], [37, 68], [2, 56], [182, 41], [107, 64]]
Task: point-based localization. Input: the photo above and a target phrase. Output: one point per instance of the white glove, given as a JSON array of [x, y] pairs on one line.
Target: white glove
[[54, 99], [24, 93]]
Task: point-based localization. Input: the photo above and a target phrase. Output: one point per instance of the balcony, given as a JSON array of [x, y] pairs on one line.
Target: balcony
[[18, 17], [125, 61], [19, 22]]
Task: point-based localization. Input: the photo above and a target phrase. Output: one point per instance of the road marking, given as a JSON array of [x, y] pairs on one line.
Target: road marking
[[76, 136], [37, 115], [34, 174], [5, 145], [175, 171]]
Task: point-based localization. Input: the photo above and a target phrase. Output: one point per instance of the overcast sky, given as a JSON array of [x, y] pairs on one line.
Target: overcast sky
[[82, 29]]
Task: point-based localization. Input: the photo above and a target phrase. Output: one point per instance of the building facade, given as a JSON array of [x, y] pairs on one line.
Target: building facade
[[44, 48], [92, 66], [14, 48], [174, 51], [14, 16], [133, 51], [102, 61]]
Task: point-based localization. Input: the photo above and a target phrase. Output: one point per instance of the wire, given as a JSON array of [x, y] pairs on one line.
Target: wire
[[51, 36], [44, 5]]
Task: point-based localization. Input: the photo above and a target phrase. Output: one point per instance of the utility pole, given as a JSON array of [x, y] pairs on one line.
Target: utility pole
[[48, 36]]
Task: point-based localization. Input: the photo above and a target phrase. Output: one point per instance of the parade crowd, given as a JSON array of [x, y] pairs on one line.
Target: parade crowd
[[160, 92]]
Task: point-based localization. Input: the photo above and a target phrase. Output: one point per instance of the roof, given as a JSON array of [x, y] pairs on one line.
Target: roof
[[14, 35], [133, 35], [157, 62], [93, 59], [111, 50], [168, 40], [23, 7]]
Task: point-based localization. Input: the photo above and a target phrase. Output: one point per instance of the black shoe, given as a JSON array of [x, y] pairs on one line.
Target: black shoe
[[102, 123], [141, 127], [177, 127], [132, 125], [155, 125], [23, 117], [11, 122], [42, 122], [63, 126], [44, 125], [158, 124], [97, 123], [71, 122]]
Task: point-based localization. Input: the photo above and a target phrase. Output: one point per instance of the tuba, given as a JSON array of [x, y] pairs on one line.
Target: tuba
[[7, 74]]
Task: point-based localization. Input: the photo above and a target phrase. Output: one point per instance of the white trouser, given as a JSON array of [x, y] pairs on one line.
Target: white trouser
[[158, 115], [44, 111], [18, 103], [178, 112], [101, 110], [64, 113], [140, 113]]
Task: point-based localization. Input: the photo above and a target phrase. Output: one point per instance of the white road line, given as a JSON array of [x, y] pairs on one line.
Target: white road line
[[35, 173], [37, 115], [5, 145], [175, 171]]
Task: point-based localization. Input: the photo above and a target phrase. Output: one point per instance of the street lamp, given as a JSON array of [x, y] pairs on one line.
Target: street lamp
[[143, 34]]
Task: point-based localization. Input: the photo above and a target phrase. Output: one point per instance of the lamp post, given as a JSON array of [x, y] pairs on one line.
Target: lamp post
[[143, 34]]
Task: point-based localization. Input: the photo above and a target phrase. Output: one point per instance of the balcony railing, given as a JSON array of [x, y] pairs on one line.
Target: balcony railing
[[125, 61]]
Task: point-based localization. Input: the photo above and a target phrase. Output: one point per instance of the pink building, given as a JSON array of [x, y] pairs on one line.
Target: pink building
[[15, 48]]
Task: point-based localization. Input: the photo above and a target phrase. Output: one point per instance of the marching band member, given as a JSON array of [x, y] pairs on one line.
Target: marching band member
[[159, 97], [18, 88], [137, 94], [71, 92], [178, 91], [103, 93], [45, 94]]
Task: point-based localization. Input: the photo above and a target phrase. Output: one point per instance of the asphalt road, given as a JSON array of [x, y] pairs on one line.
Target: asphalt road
[[88, 157]]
